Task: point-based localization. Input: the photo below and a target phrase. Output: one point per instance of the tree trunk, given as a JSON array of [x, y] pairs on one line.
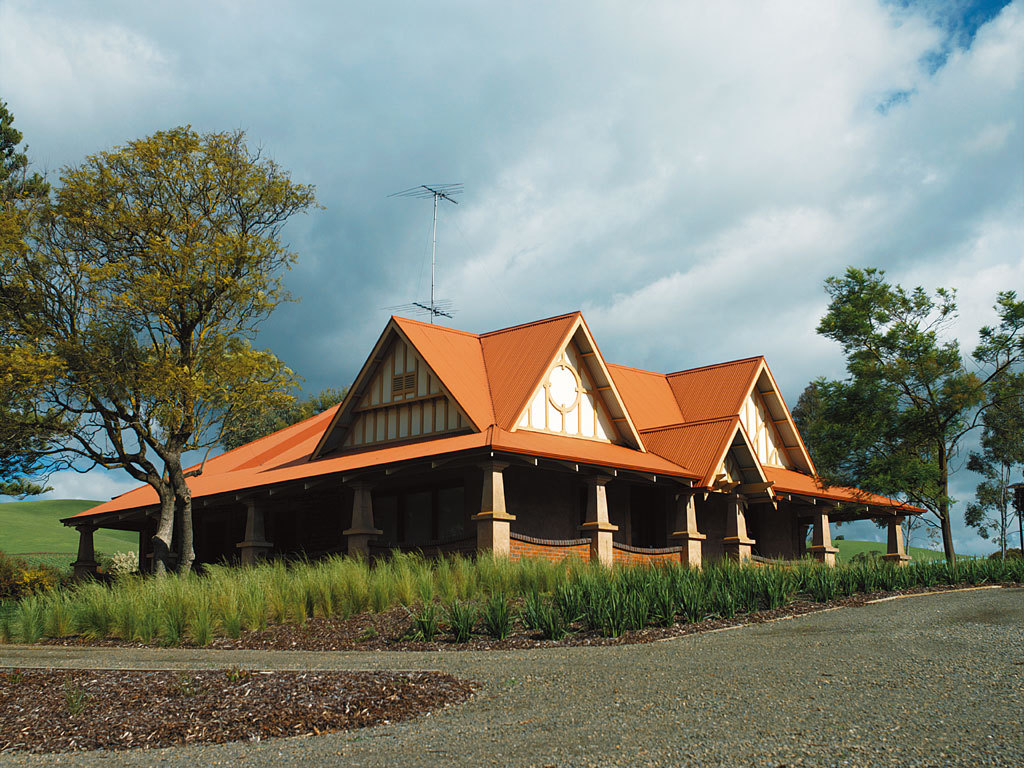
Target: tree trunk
[[164, 532], [183, 496], [1004, 515], [947, 529]]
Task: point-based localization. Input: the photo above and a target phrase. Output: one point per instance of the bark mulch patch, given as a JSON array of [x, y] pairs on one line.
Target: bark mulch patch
[[392, 630], [62, 711]]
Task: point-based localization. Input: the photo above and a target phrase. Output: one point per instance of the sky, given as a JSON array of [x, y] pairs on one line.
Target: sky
[[685, 173]]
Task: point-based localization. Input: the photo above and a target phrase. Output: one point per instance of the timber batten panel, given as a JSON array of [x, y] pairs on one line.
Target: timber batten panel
[[760, 428], [567, 402], [403, 400]]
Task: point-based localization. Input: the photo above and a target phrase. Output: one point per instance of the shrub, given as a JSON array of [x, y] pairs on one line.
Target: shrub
[[121, 564]]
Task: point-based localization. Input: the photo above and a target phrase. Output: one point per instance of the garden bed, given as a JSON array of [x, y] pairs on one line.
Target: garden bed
[[61, 711], [394, 630]]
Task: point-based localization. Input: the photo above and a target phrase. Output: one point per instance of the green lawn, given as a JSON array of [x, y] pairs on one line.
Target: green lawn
[[34, 526], [847, 550]]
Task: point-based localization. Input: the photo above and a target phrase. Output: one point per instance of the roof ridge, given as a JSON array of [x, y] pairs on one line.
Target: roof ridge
[[436, 327], [716, 365], [490, 390], [531, 323], [268, 436], [634, 368]]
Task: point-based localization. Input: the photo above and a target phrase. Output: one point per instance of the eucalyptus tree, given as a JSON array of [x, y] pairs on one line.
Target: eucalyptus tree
[[895, 424]]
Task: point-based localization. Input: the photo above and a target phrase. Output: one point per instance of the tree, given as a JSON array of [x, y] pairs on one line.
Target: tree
[[1002, 448], [147, 279], [894, 425], [25, 431], [249, 423]]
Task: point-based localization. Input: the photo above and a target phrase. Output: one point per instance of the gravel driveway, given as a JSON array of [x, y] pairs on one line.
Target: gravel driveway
[[932, 680]]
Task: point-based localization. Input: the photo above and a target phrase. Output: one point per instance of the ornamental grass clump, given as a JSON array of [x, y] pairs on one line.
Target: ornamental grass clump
[[663, 604], [30, 618], [533, 605], [570, 599], [497, 616], [426, 621], [59, 615], [461, 620], [551, 622], [93, 610], [200, 620]]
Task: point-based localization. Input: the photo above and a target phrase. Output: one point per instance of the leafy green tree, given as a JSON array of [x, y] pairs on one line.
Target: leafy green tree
[[146, 280], [25, 431], [896, 422], [1002, 449], [249, 423]]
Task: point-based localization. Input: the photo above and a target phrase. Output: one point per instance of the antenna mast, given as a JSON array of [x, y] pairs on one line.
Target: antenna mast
[[438, 192]]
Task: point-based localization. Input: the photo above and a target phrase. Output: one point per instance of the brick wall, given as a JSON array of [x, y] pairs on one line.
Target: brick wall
[[626, 555], [555, 550]]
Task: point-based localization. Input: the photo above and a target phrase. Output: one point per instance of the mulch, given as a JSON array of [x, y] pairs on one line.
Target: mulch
[[61, 711]]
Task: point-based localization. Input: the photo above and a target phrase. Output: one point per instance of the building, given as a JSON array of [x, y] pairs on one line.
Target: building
[[522, 442]]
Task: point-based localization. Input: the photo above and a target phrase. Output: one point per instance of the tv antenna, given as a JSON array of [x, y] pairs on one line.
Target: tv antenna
[[438, 192]]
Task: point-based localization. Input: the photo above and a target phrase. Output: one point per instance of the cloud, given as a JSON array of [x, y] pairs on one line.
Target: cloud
[[96, 484], [69, 78]]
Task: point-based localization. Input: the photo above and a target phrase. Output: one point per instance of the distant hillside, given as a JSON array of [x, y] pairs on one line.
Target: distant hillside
[[34, 526], [848, 549]]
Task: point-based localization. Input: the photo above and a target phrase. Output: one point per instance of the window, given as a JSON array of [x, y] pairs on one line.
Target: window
[[403, 384]]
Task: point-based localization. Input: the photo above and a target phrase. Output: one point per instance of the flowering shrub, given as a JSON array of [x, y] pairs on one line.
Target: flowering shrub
[[123, 564], [18, 578]]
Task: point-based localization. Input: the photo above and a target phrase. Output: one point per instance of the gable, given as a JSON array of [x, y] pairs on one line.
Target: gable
[[770, 428], [397, 397], [516, 359], [567, 402], [576, 396], [765, 441], [714, 391]]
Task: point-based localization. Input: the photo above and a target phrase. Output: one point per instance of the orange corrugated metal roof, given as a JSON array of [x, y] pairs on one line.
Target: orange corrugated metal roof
[[456, 357], [714, 390], [697, 446], [686, 419], [647, 396], [516, 358], [786, 480], [573, 449]]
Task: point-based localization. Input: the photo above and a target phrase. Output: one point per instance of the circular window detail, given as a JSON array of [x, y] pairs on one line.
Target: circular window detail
[[563, 387]]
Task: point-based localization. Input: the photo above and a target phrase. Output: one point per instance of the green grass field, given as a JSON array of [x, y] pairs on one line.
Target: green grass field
[[34, 526], [848, 549]]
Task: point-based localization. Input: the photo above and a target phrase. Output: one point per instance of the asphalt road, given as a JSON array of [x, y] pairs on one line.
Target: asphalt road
[[934, 680]]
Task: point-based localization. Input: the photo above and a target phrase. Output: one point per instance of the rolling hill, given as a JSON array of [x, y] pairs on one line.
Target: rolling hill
[[34, 526]]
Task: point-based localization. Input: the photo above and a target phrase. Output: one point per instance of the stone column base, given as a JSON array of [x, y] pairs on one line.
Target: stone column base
[[899, 559], [737, 547], [601, 550], [492, 532], [824, 554], [85, 568], [691, 544], [359, 540], [253, 551]]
